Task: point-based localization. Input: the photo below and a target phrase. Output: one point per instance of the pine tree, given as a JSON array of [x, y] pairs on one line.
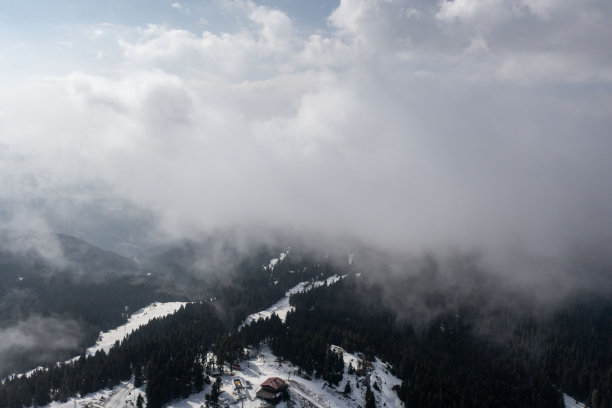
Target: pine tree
[[216, 390], [138, 381], [198, 377], [347, 388], [370, 401], [139, 401]]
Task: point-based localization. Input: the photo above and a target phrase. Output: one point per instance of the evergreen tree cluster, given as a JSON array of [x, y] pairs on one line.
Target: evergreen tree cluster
[[166, 354], [447, 364], [254, 288], [579, 352]]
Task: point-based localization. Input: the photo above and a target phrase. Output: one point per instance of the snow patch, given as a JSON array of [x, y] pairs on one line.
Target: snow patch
[[273, 262], [378, 372], [570, 402], [282, 307], [123, 395], [140, 318]]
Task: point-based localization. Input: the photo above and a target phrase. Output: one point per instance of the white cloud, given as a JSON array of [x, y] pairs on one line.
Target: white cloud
[[473, 9], [259, 49], [492, 11], [478, 44], [399, 124], [181, 8], [529, 68]]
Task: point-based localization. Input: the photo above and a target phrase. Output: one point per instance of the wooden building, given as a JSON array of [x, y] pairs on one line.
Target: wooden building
[[272, 389]]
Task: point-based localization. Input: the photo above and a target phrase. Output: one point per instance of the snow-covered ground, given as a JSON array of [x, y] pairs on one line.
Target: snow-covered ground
[[140, 318], [572, 403], [123, 395], [304, 392], [282, 307]]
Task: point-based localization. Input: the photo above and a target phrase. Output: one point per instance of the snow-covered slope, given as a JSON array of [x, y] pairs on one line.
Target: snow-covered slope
[[123, 395], [571, 403], [282, 307], [307, 392], [140, 318], [304, 392]]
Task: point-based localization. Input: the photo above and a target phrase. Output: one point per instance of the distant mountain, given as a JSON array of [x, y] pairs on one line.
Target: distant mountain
[[45, 253], [61, 286]]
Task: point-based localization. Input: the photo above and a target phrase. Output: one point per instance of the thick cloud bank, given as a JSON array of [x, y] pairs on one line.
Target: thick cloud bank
[[408, 124]]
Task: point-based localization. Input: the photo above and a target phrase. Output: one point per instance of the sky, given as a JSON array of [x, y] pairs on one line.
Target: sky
[[404, 124]]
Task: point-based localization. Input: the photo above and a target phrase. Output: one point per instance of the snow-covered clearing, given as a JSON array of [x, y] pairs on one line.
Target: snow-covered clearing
[[304, 392], [122, 396], [572, 403], [282, 307], [379, 375], [140, 318]]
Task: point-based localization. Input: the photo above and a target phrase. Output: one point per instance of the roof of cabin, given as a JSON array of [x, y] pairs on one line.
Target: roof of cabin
[[273, 382]]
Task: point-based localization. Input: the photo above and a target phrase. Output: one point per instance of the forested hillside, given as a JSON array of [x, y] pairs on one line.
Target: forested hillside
[[60, 286], [178, 340], [448, 362]]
